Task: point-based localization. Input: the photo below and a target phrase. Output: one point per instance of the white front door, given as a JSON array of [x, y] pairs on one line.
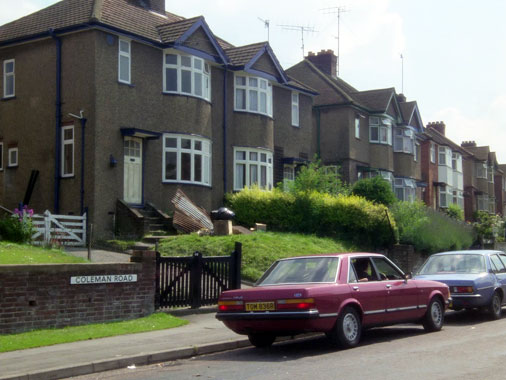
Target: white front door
[[132, 184]]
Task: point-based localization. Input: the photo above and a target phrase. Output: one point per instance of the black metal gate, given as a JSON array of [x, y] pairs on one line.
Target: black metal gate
[[196, 280]]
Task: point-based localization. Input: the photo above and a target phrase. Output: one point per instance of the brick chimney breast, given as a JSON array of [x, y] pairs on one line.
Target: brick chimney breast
[[325, 60], [468, 144], [438, 126]]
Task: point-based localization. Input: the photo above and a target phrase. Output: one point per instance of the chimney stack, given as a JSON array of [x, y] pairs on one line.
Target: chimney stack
[[401, 98], [438, 126], [325, 60], [467, 144], [157, 6]]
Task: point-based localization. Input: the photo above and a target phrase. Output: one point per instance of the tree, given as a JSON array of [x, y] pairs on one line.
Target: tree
[[376, 189]]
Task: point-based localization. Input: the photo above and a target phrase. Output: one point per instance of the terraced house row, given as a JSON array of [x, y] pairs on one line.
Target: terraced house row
[[110, 106]]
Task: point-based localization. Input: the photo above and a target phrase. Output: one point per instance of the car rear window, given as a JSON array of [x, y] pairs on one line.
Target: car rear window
[[301, 270], [454, 264]]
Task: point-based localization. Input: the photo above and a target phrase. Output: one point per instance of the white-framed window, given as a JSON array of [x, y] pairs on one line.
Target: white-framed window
[[357, 126], [445, 156], [405, 189], [404, 140], [124, 61], [253, 94], [380, 130], [1, 156], [490, 174], [252, 166], [9, 78], [482, 202], [67, 151], [432, 152], [295, 109], [186, 159], [288, 175], [481, 170], [13, 155], [371, 173], [186, 75], [457, 162], [445, 196], [458, 198]]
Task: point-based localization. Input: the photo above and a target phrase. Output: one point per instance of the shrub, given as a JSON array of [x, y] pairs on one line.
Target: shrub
[[375, 189], [428, 230], [349, 217], [455, 212], [18, 227], [488, 226]]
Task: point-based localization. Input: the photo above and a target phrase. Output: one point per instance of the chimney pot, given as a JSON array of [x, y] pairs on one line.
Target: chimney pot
[[325, 60], [438, 126]]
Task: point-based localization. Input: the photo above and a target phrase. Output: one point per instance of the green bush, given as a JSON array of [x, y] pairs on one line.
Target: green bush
[[488, 226], [455, 212], [376, 189], [348, 217], [430, 231], [15, 229]]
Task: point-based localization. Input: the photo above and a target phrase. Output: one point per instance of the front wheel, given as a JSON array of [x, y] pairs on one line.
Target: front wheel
[[261, 340], [348, 329], [434, 317], [494, 309]]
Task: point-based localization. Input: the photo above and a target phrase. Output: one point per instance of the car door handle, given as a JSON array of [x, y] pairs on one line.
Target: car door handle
[[356, 288], [388, 286]]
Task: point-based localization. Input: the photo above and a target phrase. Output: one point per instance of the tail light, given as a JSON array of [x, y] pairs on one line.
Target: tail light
[[230, 305], [296, 304], [462, 289]]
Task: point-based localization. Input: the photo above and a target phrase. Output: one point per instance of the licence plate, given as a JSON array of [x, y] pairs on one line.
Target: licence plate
[[260, 306]]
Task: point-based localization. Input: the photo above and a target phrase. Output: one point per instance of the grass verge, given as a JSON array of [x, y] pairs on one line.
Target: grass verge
[[39, 338], [13, 253], [259, 249]]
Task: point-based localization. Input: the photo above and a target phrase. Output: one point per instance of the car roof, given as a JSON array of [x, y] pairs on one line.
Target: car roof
[[337, 254], [483, 252]]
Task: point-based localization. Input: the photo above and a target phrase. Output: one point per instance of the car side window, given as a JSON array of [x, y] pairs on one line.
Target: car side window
[[386, 270], [352, 275], [364, 270], [497, 265], [502, 256]]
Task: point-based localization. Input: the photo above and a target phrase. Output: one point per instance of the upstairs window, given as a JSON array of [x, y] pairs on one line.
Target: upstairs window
[[186, 159], [490, 174], [124, 61], [380, 130], [13, 157], [357, 126], [404, 140], [445, 156], [295, 109], [252, 167], [457, 162], [432, 152], [9, 78], [253, 94], [67, 151], [186, 75], [482, 202], [481, 170]]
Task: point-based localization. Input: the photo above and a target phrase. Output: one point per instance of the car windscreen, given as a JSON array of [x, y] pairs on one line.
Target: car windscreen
[[301, 270], [456, 263]]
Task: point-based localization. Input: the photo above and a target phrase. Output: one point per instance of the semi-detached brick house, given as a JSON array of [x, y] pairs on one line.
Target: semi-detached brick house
[[366, 133], [166, 103]]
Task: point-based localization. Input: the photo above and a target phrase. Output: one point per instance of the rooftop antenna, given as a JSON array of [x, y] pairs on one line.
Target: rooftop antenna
[[402, 74], [302, 30], [267, 24], [338, 11]]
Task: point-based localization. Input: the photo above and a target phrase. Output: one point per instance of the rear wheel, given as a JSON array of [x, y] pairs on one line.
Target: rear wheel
[[261, 340], [494, 309], [348, 329], [434, 317]]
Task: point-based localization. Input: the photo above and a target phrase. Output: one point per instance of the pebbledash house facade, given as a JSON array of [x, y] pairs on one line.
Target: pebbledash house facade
[[117, 103]]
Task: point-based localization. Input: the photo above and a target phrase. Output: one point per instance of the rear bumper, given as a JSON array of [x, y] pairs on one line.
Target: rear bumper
[[467, 301], [310, 314]]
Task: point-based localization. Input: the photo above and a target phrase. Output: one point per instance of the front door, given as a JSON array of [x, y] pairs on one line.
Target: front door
[[132, 184]]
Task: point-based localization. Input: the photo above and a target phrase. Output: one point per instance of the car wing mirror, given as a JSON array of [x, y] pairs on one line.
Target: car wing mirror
[[408, 276]]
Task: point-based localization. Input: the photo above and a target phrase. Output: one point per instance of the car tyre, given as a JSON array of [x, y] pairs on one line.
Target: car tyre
[[434, 317], [347, 330], [494, 309], [261, 340]]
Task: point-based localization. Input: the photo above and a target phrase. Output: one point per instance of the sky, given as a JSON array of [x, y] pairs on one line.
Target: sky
[[453, 51]]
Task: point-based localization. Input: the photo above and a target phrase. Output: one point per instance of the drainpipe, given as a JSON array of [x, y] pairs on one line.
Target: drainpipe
[[83, 125], [318, 132], [57, 142], [225, 110]]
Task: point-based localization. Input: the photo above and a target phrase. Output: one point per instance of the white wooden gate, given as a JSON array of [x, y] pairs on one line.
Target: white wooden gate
[[59, 229]]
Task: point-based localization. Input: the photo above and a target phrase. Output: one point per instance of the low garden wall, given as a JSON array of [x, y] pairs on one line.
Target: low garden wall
[[57, 295], [405, 257]]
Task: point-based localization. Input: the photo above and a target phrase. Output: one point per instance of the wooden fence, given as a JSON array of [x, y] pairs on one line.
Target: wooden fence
[[59, 229]]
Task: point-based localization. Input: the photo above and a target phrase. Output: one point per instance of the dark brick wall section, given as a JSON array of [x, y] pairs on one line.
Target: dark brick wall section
[[41, 296], [405, 257]]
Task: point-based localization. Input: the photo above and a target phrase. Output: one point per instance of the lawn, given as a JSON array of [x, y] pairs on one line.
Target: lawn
[[12, 253], [39, 338], [259, 249]]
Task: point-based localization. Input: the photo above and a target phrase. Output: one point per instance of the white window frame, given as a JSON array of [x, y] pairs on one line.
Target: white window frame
[[1, 156], [253, 167], [445, 156], [295, 109], [206, 160], [204, 72], [432, 152], [263, 87], [445, 196], [9, 75], [357, 126], [288, 175], [405, 189], [458, 198], [481, 170], [404, 140], [13, 162], [64, 144], [128, 56], [383, 126], [457, 162]]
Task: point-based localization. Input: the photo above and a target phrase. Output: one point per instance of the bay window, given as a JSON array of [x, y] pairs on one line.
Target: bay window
[[254, 94], [404, 140], [405, 189], [252, 167], [380, 130], [186, 159], [186, 75], [445, 196]]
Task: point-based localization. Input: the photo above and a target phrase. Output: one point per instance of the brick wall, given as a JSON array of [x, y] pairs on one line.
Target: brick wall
[[405, 257], [41, 296]]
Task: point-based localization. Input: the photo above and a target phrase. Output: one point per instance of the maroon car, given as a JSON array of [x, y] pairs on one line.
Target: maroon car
[[338, 294]]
